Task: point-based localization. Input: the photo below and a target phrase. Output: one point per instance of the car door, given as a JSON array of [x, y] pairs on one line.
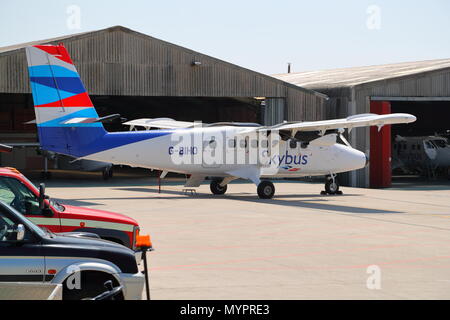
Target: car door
[[19, 261], [19, 196]]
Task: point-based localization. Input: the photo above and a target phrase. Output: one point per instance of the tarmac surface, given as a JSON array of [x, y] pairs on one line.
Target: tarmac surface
[[366, 244]]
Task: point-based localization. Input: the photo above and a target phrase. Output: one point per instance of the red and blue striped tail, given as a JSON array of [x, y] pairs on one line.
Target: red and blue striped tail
[[64, 112]]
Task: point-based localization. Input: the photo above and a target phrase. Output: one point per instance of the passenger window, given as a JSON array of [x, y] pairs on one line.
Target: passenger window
[[254, 143], [232, 143], [243, 143], [293, 144], [18, 196], [264, 143]]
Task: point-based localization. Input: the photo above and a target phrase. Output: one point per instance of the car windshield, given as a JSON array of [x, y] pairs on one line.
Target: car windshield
[[53, 202], [15, 214]]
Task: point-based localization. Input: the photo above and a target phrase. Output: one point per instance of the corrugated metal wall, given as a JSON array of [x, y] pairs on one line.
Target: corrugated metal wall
[[274, 111], [119, 61]]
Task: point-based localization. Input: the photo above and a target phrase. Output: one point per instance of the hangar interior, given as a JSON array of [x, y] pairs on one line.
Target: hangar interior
[[139, 76], [432, 117], [420, 88]]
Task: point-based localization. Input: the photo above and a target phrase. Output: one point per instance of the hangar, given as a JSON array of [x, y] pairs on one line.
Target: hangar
[[138, 76], [420, 88]]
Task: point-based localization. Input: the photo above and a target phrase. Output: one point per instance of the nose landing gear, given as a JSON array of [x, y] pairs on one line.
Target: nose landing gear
[[331, 185]]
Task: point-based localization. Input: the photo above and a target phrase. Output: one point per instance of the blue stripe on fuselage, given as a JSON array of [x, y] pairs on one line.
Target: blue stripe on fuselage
[[83, 141]]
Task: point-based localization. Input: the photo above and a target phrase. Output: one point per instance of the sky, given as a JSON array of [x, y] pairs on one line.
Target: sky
[[260, 35]]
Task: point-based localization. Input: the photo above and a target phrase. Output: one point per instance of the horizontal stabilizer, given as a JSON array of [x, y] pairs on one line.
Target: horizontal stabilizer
[[161, 123], [92, 120], [5, 148]]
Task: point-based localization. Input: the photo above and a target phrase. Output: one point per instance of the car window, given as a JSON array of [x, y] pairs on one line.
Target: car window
[[18, 196], [6, 228], [6, 195], [9, 217]]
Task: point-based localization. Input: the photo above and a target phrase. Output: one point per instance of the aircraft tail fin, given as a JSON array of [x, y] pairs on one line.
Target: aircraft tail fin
[[65, 116]]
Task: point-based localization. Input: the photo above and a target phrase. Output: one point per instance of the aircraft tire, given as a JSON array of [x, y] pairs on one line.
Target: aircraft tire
[[266, 190], [105, 174], [330, 187], [216, 188]]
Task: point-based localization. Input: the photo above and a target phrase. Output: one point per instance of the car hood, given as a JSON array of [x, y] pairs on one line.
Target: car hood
[[64, 245], [94, 214]]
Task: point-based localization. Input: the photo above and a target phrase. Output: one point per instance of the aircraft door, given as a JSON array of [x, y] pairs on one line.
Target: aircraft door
[[212, 150]]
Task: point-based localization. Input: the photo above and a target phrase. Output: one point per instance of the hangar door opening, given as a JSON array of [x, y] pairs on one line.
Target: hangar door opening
[[415, 153], [420, 150]]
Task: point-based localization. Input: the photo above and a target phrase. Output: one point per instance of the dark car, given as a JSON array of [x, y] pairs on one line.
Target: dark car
[[81, 264]]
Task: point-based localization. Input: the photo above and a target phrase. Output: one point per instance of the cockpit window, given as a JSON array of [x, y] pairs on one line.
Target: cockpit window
[[439, 143], [429, 145]]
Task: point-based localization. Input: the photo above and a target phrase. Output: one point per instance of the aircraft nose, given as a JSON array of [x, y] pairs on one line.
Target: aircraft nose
[[367, 160]]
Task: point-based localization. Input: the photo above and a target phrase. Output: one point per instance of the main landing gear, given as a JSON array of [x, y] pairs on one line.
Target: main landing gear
[[266, 190], [216, 188], [331, 185]]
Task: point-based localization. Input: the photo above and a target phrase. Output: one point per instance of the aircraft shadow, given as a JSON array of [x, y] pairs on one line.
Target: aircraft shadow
[[277, 200]]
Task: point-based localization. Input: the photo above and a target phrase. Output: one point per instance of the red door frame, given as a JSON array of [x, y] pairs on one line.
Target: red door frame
[[380, 149]]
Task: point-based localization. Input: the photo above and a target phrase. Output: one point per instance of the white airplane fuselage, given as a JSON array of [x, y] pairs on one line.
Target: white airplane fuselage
[[188, 151]]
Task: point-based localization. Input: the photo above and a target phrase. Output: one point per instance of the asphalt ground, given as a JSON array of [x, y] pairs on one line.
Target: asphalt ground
[[365, 244]]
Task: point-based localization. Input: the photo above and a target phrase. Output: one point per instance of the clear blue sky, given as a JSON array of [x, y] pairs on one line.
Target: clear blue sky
[[260, 35]]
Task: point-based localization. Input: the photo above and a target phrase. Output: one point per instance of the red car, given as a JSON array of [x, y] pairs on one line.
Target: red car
[[17, 191]]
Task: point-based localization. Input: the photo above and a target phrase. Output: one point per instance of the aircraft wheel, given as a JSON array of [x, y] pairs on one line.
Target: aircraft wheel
[[266, 190], [105, 174], [332, 187], [216, 188]]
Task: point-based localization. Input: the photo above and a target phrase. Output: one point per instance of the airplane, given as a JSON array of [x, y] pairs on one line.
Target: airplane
[[421, 154], [68, 123]]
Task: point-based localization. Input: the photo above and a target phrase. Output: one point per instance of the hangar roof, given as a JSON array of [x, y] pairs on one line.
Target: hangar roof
[[348, 77], [227, 67]]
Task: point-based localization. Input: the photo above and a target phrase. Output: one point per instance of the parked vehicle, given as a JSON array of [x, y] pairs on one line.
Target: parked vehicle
[[18, 192], [82, 265]]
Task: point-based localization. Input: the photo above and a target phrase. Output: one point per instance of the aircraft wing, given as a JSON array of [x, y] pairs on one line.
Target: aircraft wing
[[161, 123], [359, 120]]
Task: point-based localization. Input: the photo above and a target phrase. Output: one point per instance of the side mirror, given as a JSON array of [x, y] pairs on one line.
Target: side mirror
[[20, 230], [42, 196]]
